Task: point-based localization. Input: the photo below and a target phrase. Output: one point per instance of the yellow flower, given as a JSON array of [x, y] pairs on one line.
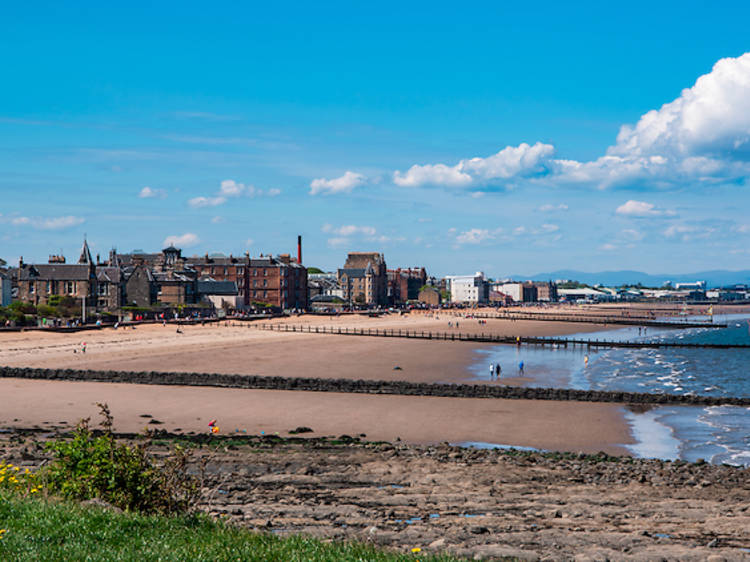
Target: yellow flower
[[416, 549]]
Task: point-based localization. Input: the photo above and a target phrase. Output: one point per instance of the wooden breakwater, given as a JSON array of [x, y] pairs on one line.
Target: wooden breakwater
[[486, 338], [404, 388], [645, 321]]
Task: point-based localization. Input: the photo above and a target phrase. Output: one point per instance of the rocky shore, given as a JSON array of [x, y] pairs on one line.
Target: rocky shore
[[479, 504]]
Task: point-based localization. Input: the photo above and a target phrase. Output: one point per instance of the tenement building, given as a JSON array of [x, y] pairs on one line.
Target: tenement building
[[166, 279], [364, 279], [404, 284]]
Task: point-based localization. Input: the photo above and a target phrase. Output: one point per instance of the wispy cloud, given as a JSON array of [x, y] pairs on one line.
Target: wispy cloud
[[349, 230], [199, 202], [548, 208], [204, 116], [45, 223], [186, 240], [688, 232], [229, 189]]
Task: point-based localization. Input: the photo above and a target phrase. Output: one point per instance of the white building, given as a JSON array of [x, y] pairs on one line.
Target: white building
[[468, 289], [513, 290], [584, 294]]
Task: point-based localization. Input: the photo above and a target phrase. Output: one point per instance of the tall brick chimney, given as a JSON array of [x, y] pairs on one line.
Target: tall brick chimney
[[299, 250]]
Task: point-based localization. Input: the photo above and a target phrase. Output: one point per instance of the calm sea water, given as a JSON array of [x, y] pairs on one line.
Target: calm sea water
[[719, 434]]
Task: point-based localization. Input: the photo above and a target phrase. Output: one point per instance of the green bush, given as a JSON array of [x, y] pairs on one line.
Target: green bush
[[96, 466]]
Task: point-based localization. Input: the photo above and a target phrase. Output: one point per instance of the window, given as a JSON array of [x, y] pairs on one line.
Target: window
[[265, 272], [225, 272], [31, 287], [265, 294], [265, 282], [240, 270], [70, 287]]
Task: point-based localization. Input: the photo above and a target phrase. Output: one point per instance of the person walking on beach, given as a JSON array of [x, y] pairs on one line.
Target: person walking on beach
[[520, 367], [498, 370], [492, 371]]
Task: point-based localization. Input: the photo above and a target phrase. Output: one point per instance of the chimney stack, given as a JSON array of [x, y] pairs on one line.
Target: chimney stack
[[299, 250]]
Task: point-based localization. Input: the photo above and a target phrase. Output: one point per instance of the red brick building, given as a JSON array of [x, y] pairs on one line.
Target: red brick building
[[404, 284]]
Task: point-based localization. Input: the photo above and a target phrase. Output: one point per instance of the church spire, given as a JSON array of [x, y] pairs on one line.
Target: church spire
[[85, 257]]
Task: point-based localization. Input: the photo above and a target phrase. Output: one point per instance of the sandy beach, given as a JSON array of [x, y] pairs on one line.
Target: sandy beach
[[241, 348]]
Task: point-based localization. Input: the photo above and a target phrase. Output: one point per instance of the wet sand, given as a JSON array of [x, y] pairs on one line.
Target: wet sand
[[567, 426]]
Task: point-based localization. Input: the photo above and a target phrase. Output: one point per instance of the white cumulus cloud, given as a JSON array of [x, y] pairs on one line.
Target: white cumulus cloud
[[701, 137], [343, 184], [634, 208], [151, 193], [501, 169], [230, 188], [182, 241]]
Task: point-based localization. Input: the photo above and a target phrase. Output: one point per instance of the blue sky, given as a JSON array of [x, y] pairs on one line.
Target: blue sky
[[460, 137]]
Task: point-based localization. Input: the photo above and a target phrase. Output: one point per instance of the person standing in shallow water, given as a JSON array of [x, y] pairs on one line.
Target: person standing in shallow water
[[520, 367]]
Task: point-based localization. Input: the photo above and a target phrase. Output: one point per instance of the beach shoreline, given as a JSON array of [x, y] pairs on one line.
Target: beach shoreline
[[243, 349]]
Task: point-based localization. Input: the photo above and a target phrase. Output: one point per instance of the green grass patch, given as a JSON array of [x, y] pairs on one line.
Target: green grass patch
[[38, 529]]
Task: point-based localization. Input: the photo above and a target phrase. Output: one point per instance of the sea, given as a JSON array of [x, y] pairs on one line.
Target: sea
[[716, 434]]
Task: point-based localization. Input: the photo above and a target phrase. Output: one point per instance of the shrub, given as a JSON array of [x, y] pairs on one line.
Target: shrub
[[96, 466]]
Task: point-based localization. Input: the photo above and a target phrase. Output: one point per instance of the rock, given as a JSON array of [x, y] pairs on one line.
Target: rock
[[502, 552], [439, 543], [96, 502], [713, 544]]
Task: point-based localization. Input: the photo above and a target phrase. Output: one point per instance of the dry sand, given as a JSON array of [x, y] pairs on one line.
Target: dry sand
[[243, 349]]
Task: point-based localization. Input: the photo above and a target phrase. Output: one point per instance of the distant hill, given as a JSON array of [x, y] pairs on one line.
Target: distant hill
[[714, 278]]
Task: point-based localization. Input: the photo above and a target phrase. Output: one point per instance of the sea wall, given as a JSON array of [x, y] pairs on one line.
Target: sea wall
[[364, 386]]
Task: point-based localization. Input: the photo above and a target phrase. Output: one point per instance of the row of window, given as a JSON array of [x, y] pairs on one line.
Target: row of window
[[68, 287]]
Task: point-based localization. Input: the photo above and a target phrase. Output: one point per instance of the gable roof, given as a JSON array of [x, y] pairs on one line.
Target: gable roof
[[54, 272]]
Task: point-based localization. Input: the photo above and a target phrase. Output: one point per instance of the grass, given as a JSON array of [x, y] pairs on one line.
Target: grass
[[39, 529]]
